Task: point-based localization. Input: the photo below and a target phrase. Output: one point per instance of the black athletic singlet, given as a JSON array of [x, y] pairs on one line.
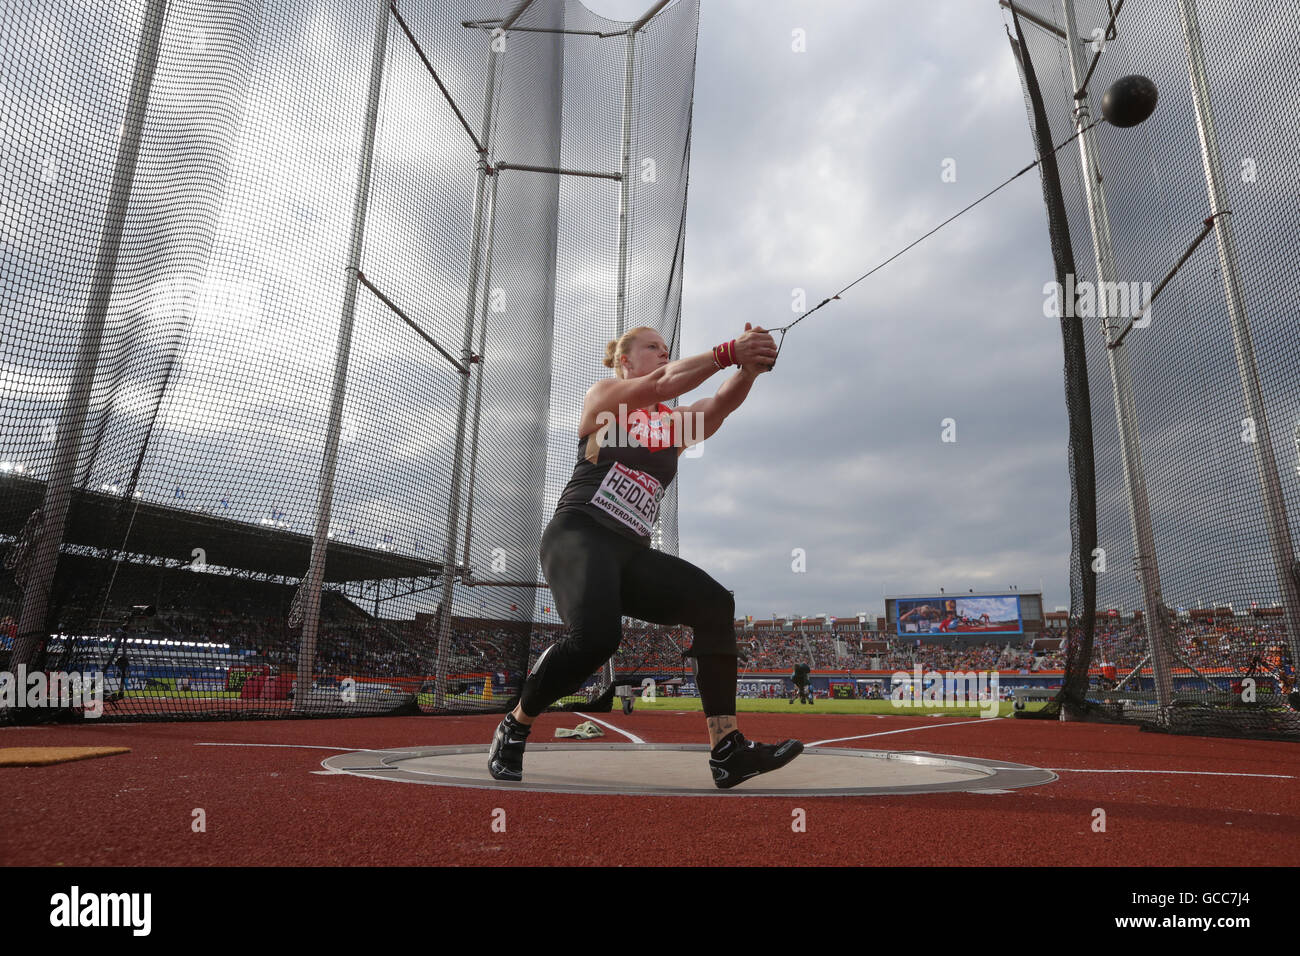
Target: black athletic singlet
[[621, 485]]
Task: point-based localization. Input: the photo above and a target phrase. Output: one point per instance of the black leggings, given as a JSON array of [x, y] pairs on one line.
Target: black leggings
[[597, 577]]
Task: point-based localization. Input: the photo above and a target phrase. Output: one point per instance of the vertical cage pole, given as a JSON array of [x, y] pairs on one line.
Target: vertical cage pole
[[1148, 571], [624, 214], [311, 586], [462, 404], [625, 188], [44, 557], [478, 382]]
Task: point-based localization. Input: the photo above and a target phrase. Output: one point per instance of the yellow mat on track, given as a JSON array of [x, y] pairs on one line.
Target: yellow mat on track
[[45, 756]]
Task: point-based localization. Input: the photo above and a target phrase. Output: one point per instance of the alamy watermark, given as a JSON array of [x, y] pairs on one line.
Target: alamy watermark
[[1090, 300], [54, 689], [946, 689], [76, 908], [639, 429]]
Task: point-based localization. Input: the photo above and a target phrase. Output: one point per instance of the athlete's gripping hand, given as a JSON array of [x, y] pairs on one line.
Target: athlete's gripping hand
[[755, 350]]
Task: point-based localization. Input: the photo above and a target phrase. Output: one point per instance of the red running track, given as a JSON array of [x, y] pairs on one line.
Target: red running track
[[265, 806]]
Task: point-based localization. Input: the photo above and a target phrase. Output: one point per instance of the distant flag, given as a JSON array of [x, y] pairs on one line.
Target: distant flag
[[546, 610]]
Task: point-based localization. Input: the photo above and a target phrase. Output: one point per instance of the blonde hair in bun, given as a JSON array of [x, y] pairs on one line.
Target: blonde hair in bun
[[618, 347]]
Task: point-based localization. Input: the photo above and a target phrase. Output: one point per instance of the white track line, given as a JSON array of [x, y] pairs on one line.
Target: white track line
[[904, 730], [630, 736], [1193, 773]]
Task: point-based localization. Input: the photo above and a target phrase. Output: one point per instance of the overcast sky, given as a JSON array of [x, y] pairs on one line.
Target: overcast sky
[[822, 133], [807, 169]]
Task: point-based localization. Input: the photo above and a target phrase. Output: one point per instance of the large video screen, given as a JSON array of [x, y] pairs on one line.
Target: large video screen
[[972, 614]]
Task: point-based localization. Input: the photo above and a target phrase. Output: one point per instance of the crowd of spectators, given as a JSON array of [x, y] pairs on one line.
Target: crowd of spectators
[[774, 650], [660, 648], [351, 641], [251, 617], [871, 651], [1205, 646], [219, 620], [645, 646]]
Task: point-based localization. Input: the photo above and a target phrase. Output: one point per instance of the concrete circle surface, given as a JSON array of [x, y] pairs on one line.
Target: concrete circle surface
[[682, 770]]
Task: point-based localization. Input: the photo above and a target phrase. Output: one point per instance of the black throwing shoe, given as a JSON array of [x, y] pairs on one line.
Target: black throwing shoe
[[735, 759], [506, 758]]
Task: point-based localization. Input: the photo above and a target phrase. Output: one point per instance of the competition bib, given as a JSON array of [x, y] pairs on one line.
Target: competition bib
[[630, 496]]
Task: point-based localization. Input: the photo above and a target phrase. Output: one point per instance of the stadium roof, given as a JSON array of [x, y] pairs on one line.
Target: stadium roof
[[96, 518]]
